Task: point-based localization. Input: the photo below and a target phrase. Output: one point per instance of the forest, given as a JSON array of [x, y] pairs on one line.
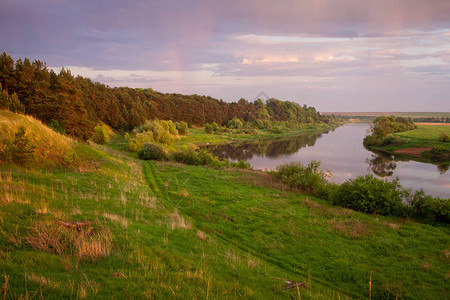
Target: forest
[[75, 105]]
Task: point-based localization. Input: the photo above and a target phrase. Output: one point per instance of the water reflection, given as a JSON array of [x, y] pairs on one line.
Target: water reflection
[[271, 148], [381, 164]]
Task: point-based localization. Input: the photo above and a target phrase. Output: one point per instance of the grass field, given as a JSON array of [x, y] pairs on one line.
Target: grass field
[[397, 114], [170, 231]]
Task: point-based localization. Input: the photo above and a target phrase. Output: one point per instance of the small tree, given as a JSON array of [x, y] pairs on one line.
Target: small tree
[[4, 103], [14, 104], [209, 128], [22, 150], [182, 127], [56, 126]]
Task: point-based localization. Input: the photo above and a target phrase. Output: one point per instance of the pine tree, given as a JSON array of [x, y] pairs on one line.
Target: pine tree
[[23, 150], [14, 104], [4, 103], [6, 71]]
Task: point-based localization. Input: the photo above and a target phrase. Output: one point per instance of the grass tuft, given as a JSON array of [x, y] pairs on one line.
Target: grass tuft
[[175, 220], [88, 243]]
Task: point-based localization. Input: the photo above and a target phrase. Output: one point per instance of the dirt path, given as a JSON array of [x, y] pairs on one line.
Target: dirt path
[[412, 151]]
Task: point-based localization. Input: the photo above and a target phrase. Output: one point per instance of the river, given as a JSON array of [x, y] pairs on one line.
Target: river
[[341, 151]]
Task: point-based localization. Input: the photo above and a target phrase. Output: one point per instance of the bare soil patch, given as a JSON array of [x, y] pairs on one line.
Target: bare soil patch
[[412, 151]]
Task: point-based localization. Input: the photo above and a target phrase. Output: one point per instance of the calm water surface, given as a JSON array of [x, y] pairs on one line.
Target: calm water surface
[[341, 151]]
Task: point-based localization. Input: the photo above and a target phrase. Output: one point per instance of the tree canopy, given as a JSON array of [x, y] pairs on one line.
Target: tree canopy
[[78, 103]]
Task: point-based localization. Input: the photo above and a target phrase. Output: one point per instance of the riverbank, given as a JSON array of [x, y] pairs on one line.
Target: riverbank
[[417, 142]]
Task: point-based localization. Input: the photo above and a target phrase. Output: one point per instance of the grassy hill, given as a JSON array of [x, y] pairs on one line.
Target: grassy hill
[[111, 226]]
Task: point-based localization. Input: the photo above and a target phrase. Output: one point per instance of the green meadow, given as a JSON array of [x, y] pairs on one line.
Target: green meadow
[[92, 221]]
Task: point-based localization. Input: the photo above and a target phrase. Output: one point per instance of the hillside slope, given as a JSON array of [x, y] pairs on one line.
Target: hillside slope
[[131, 229]]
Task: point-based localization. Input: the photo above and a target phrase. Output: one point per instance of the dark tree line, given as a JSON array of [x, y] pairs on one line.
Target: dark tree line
[[77, 104]]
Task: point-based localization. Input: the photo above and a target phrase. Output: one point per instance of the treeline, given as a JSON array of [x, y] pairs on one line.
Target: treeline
[[77, 104], [415, 119], [431, 119]]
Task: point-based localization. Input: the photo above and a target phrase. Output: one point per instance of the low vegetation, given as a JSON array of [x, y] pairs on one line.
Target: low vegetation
[[369, 194], [366, 194], [309, 178]]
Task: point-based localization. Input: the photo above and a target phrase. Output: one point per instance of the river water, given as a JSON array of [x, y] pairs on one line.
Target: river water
[[341, 151]]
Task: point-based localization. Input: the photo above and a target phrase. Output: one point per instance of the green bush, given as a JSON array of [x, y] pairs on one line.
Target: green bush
[[277, 129], [371, 195], [152, 151], [100, 135], [235, 123], [189, 157], [134, 144], [209, 128], [444, 138], [198, 158], [438, 150], [159, 131], [308, 178], [169, 126], [391, 140], [182, 127], [430, 208], [145, 137]]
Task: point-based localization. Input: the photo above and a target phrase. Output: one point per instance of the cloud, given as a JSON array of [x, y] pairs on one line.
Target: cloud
[[336, 55]]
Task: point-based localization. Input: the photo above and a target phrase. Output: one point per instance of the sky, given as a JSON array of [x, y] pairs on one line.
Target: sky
[[335, 55]]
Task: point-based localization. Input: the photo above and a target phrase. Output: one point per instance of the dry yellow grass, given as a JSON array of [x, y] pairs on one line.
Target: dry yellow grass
[[88, 243], [116, 218], [51, 147], [201, 235], [351, 228], [175, 220], [184, 193], [42, 281], [391, 225]]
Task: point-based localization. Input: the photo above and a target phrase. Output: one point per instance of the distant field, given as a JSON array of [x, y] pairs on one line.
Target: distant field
[[399, 114], [433, 124]]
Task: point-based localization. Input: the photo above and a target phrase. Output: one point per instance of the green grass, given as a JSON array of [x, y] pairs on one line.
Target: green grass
[[425, 136], [182, 232], [307, 238]]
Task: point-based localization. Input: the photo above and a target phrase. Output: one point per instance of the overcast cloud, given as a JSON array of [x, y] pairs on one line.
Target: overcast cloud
[[352, 55]]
